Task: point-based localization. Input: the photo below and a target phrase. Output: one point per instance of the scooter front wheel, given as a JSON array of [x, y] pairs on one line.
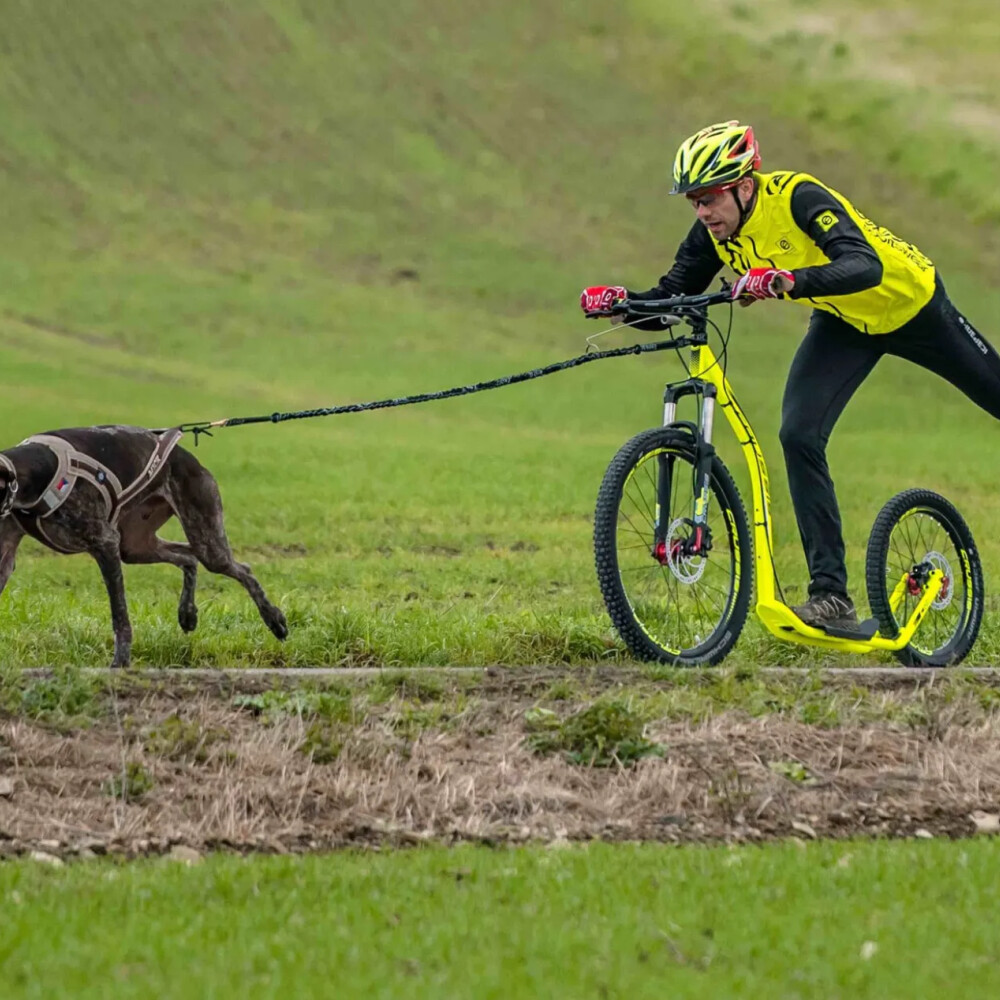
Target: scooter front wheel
[[676, 591]]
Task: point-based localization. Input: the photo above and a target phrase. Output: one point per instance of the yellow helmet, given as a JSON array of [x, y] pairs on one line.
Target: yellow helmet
[[717, 156]]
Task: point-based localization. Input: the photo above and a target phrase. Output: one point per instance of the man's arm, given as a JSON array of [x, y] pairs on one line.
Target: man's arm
[[696, 263], [854, 265]]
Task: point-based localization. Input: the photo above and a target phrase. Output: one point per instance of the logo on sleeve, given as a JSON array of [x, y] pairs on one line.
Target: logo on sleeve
[[827, 221]]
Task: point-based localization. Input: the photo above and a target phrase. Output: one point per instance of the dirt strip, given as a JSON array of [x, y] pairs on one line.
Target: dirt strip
[[862, 675], [208, 764]]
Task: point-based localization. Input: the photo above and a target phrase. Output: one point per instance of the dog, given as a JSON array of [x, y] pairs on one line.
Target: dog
[[107, 490]]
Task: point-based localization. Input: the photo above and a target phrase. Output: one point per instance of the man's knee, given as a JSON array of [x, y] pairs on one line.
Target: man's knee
[[800, 437]]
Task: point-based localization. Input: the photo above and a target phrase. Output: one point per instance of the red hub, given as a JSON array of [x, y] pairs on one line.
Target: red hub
[[680, 547]]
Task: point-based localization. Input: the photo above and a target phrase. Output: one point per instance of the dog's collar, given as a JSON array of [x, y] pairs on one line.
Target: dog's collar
[[10, 495]]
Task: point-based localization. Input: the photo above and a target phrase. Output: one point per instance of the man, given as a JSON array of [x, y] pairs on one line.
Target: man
[[787, 235]]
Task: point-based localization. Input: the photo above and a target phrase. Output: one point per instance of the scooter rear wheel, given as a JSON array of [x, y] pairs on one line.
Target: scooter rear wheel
[[916, 532]]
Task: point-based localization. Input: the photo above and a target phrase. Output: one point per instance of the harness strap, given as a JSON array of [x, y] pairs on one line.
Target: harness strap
[[73, 464], [166, 441]]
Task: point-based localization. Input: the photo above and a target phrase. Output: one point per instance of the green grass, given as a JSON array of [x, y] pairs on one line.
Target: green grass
[[286, 203], [877, 920]]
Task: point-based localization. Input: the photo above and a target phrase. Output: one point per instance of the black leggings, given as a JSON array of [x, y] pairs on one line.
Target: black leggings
[[830, 364]]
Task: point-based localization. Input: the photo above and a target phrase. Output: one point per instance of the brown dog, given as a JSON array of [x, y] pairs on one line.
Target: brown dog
[[107, 490]]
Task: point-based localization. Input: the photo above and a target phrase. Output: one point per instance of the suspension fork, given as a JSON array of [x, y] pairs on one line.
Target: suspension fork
[[704, 453]]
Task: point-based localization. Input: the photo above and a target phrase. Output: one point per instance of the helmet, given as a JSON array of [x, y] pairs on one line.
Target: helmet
[[717, 156]]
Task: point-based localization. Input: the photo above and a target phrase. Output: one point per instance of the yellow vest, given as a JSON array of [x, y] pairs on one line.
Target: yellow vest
[[770, 237]]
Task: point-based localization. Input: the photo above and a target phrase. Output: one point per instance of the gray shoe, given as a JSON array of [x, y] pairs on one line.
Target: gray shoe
[[828, 609]]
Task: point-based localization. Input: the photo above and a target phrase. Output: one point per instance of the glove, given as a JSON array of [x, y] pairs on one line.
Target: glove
[[758, 283], [598, 299]]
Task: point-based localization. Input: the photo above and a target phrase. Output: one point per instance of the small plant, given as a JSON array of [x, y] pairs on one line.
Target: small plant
[[65, 696], [410, 719], [793, 770], [601, 735], [323, 742], [561, 690], [305, 703], [405, 685], [177, 739], [131, 784]]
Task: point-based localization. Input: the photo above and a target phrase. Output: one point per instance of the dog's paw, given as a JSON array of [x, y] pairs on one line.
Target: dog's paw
[[276, 622], [187, 617]]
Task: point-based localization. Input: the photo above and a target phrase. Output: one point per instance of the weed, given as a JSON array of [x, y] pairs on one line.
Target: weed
[[65, 698], [322, 742], [601, 735], [409, 719], [794, 770], [178, 739], [272, 705], [131, 784], [563, 689], [405, 685]]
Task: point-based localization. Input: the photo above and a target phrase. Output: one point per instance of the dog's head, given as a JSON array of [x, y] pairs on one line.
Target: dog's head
[[8, 485]]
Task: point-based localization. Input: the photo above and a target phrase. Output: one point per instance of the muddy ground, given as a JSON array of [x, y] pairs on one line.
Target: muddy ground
[[245, 764]]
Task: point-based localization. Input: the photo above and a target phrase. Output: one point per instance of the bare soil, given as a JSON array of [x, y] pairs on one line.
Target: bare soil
[[180, 763]]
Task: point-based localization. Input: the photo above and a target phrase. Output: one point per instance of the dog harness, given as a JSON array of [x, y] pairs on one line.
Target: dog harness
[[73, 465]]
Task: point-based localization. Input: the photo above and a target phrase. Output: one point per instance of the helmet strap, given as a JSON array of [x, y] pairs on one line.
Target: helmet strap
[[746, 209]]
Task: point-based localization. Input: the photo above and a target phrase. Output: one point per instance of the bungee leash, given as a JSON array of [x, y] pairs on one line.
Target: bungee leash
[[207, 426]]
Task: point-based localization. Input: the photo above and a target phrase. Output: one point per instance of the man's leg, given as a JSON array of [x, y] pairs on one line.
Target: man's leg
[[830, 364], [943, 340]]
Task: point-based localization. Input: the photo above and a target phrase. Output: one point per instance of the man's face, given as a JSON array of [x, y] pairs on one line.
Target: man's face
[[717, 209]]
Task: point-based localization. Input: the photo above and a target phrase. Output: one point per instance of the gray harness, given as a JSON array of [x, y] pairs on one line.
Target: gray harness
[[73, 465]]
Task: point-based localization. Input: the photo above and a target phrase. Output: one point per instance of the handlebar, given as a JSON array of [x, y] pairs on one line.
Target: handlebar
[[675, 305], [680, 306]]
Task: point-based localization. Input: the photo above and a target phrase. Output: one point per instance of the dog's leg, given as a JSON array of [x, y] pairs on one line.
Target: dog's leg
[[194, 496], [106, 553], [11, 534], [139, 544]]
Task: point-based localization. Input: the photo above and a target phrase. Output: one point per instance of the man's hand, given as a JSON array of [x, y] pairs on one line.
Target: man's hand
[[763, 283], [597, 300]]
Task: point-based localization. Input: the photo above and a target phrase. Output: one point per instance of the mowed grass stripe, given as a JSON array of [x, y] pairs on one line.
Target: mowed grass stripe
[[878, 920]]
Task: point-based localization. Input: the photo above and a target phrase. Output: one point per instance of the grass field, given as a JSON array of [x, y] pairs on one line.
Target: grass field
[[231, 209], [848, 920], [218, 209]]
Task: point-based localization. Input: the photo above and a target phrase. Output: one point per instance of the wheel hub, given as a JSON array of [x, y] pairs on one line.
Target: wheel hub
[[917, 579], [684, 551]]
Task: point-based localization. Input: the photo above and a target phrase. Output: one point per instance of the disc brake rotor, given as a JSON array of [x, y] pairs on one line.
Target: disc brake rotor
[[944, 597], [686, 568]]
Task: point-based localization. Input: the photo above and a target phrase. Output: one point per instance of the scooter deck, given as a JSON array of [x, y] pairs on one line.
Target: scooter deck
[[863, 631]]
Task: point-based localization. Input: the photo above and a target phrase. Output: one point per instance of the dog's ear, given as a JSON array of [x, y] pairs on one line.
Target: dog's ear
[[8, 492]]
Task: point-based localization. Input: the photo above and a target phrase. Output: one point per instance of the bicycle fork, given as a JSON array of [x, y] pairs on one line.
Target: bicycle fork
[[670, 544]]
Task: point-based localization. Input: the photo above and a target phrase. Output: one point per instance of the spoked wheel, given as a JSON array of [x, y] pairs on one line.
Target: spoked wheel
[[676, 593], [916, 532]]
